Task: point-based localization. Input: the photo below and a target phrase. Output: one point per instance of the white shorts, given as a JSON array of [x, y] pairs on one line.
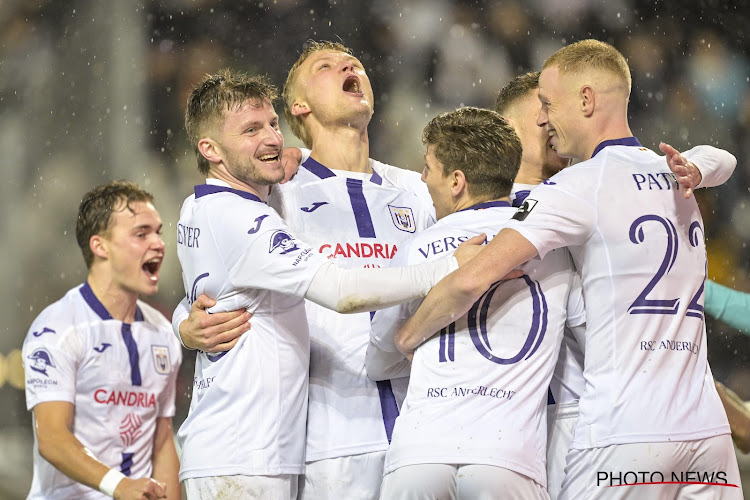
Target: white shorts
[[356, 477], [561, 422], [610, 472], [456, 482], [281, 487]]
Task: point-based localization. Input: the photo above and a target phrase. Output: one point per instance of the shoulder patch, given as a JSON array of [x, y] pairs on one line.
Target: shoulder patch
[[525, 209], [41, 359], [284, 241]]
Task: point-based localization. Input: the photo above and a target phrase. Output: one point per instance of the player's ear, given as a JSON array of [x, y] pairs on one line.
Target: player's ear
[[300, 108], [587, 100], [98, 246], [210, 150], [458, 183]]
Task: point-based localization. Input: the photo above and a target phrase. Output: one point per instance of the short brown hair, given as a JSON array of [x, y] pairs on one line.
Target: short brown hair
[[518, 88], [95, 211], [591, 54], [480, 143], [210, 98], [288, 94]]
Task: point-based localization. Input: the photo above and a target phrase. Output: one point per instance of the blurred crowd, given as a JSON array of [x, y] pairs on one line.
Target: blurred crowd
[[91, 91]]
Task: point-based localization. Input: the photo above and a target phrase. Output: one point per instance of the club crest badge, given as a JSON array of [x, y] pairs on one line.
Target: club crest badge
[[160, 354], [403, 218]]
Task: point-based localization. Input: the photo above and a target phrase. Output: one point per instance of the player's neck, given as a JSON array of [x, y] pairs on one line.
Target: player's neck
[[529, 173], [610, 126], [469, 201], [342, 148], [261, 191], [120, 304]]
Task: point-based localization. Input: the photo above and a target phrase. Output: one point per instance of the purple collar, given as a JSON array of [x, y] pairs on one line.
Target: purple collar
[[206, 189], [486, 204], [625, 141], [98, 307], [324, 172]]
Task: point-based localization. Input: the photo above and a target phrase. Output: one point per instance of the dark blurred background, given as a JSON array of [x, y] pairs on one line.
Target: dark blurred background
[[95, 90]]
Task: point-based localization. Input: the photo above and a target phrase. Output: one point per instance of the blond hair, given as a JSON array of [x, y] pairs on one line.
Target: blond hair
[[591, 54], [289, 92]]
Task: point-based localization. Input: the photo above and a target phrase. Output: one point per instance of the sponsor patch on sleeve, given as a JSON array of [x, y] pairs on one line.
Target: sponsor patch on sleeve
[[525, 209]]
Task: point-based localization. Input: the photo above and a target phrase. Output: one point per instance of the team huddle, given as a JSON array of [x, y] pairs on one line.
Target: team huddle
[[505, 326]]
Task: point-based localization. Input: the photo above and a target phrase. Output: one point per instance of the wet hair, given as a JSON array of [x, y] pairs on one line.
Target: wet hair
[[591, 54], [516, 89], [289, 91], [480, 143], [215, 94], [97, 206]]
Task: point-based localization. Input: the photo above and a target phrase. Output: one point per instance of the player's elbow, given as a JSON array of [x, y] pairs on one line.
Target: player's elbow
[[48, 447]]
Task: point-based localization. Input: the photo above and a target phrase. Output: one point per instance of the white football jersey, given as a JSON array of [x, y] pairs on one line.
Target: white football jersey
[[120, 377], [249, 406], [640, 249], [567, 380], [478, 389], [360, 221]]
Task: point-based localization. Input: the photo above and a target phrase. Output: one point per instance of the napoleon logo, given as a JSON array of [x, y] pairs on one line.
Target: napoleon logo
[[41, 359], [284, 241], [161, 359], [525, 209], [403, 218]]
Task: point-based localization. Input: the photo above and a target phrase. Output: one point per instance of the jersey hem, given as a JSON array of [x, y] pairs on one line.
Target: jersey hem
[[652, 438], [239, 471], [346, 452]]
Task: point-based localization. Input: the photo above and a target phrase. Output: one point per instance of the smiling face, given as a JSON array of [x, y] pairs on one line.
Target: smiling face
[[539, 154], [334, 86], [133, 247], [249, 144], [559, 114]]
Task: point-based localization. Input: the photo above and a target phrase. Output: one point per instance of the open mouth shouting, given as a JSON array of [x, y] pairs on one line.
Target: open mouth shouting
[[353, 86], [151, 268]]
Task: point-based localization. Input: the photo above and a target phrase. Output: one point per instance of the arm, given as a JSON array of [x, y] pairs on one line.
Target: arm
[[738, 415], [385, 365], [348, 291], [53, 422], [166, 465], [702, 166], [383, 360], [216, 332], [727, 305], [453, 296]]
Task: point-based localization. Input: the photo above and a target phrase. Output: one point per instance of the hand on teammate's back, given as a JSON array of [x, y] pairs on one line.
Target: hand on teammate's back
[[217, 332], [688, 175], [291, 158], [469, 248], [140, 489]]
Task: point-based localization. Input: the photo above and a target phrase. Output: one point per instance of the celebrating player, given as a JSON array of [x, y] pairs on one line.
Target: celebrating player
[[649, 393], [235, 248], [101, 365], [473, 421]]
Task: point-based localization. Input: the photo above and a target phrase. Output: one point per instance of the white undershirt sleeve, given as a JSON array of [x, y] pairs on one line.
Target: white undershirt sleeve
[[357, 290], [181, 313], [716, 165]]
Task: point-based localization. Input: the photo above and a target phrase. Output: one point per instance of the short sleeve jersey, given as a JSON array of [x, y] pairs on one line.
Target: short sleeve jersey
[[358, 220], [639, 247], [249, 405], [478, 388], [119, 376]]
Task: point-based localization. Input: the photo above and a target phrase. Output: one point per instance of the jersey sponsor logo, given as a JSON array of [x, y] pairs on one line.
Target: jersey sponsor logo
[[125, 398], [130, 429], [525, 209], [41, 359], [43, 331], [160, 355], [361, 250], [100, 349], [258, 223], [314, 206], [403, 218], [284, 241]]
